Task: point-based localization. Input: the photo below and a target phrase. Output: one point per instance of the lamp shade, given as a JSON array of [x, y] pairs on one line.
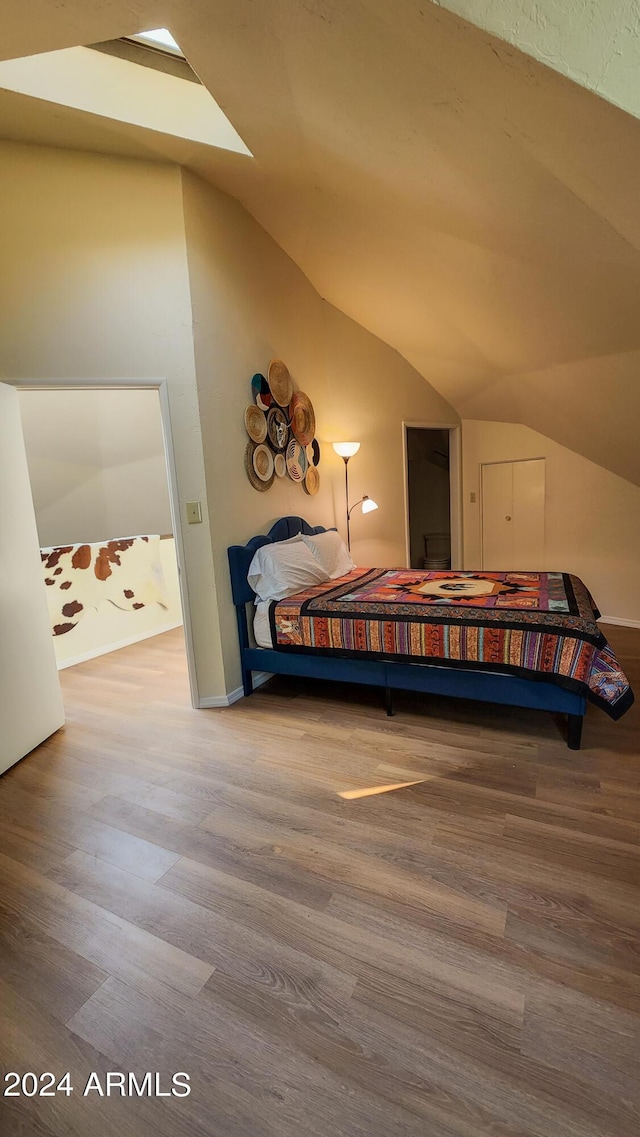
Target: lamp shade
[[368, 504], [346, 449]]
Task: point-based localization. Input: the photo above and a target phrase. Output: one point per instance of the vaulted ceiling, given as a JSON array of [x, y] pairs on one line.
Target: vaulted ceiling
[[468, 204], [594, 42]]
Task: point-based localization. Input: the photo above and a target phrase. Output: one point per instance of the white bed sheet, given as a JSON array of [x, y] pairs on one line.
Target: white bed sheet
[[261, 628]]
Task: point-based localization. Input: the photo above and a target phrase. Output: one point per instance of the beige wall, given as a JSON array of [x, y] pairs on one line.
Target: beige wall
[[94, 285], [96, 463], [592, 517], [251, 303]]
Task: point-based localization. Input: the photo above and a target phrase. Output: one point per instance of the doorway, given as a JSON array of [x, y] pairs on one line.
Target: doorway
[[38, 639], [432, 457], [100, 491], [513, 514], [99, 481]]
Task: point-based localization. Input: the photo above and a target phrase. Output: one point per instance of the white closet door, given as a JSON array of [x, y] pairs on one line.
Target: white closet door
[[30, 700], [497, 515], [513, 498], [528, 514]]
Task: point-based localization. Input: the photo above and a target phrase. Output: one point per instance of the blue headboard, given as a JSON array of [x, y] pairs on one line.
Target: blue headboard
[[241, 556]]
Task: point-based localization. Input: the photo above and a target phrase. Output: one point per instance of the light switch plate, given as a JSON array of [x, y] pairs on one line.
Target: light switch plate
[[194, 512], [472, 498]]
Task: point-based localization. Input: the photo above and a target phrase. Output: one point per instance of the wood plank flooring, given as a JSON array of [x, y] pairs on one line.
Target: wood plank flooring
[[184, 890]]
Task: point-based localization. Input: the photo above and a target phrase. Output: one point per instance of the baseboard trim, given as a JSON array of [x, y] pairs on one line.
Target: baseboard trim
[[620, 621], [95, 652], [208, 701]]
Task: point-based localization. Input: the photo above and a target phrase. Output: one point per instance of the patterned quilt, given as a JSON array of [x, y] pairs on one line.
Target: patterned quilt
[[538, 625]]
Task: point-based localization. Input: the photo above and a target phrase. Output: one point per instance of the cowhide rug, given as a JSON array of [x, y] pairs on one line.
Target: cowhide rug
[[127, 572]]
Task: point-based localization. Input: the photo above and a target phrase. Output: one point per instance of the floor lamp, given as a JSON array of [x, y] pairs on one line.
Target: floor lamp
[[346, 450]]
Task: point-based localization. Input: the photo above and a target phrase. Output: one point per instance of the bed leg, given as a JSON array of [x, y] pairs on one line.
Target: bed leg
[[389, 700], [247, 682], [574, 733]]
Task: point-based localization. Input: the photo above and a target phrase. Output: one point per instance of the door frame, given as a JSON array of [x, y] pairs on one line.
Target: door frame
[[500, 462], [455, 486], [161, 386]]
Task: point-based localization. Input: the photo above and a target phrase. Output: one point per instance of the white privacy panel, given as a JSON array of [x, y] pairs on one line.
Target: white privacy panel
[[30, 700]]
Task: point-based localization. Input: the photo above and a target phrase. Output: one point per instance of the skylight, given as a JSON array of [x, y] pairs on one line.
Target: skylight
[[103, 84], [160, 38]]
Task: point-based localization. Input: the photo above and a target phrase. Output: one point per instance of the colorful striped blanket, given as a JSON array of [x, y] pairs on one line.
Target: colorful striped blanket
[[538, 625]]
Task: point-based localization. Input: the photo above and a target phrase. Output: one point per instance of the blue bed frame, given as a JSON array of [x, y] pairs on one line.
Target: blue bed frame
[[389, 675]]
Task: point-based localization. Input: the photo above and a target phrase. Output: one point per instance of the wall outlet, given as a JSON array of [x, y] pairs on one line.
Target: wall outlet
[[472, 498], [194, 512]]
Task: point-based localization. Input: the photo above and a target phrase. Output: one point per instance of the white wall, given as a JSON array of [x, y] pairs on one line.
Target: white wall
[[94, 285], [592, 517], [30, 700], [595, 44], [96, 464]]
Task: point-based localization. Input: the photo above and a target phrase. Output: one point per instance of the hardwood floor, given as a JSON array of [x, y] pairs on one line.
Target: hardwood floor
[[184, 890]]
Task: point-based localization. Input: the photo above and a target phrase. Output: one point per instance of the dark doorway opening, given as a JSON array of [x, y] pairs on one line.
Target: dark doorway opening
[[429, 497]]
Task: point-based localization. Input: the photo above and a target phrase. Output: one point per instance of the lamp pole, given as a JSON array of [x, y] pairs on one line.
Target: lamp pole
[[350, 511], [345, 459], [346, 450]]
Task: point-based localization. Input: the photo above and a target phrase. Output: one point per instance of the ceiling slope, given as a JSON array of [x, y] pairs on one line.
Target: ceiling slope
[[472, 207], [594, 42], [591, 406]]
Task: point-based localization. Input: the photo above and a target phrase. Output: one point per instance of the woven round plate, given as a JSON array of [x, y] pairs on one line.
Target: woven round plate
[[280, 465], [277, 428], [313, 453], [263, 462], [280, 382], [303, 419], [255, 423], [311, 481], [260, 391], [296, 461], [256, 482]]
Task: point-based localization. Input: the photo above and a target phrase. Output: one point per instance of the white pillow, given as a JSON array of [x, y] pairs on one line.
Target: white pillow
[[282, 568], [331, 552]]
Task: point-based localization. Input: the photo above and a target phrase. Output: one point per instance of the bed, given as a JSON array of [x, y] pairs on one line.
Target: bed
[[520, 639]]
